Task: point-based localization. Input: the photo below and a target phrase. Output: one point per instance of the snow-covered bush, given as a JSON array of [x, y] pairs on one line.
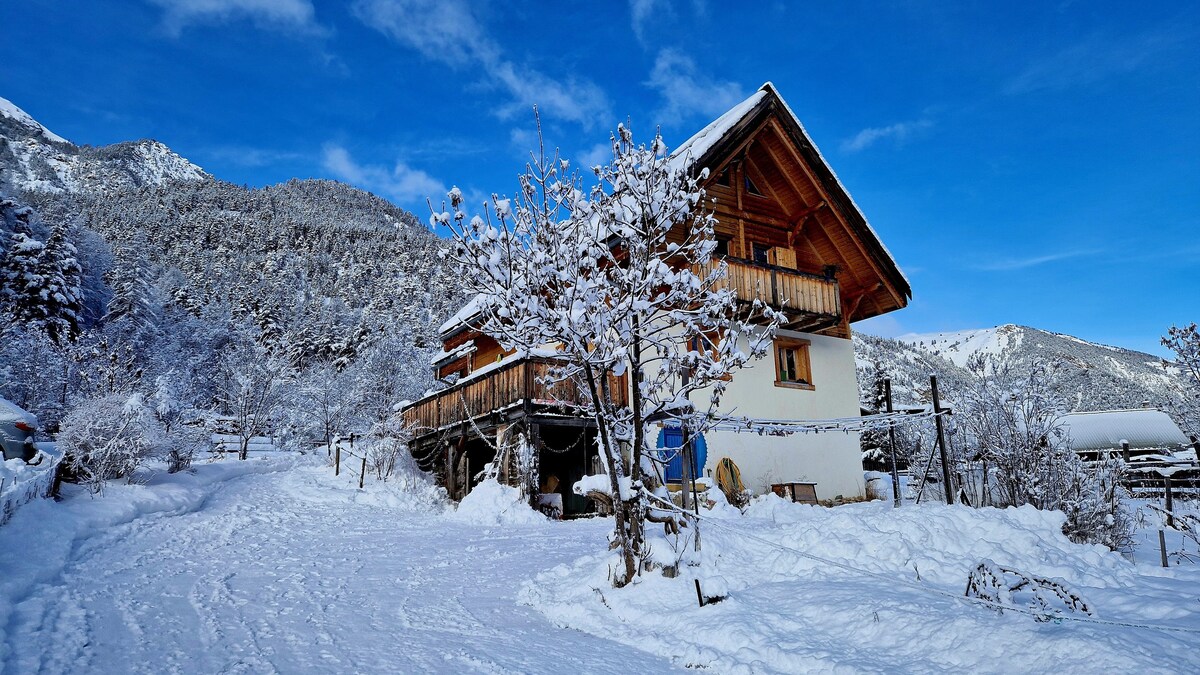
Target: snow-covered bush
[[109, 437], [1046, 597], [1014, 449], [387, 447]]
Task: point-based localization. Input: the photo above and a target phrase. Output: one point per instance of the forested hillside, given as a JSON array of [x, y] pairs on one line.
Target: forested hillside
[[128, 273]]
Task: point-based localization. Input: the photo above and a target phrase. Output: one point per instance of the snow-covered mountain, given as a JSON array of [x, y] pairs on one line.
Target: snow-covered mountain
[[1091, 376], [33, 158]]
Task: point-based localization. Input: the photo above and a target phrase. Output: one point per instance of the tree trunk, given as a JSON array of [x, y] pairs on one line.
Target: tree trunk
[[628, 542], [244, 450]]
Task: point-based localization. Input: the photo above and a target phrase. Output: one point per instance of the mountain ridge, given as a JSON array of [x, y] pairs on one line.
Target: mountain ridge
[[1089, 376]]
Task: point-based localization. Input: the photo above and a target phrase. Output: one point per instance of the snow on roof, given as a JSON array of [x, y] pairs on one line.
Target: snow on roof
[[461, 317], [1142, 428], [10, 110], [694, 148]]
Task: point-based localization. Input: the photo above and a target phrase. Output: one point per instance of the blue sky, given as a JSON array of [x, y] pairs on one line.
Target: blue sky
[[1035, 164]]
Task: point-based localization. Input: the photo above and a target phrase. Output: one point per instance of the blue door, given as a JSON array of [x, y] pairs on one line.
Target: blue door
[[670, 440]]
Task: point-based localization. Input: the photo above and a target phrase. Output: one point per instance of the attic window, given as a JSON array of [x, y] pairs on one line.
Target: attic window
[[724, 178], [751, 187]]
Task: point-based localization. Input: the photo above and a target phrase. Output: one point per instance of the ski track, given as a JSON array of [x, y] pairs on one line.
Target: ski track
[[255, 578]]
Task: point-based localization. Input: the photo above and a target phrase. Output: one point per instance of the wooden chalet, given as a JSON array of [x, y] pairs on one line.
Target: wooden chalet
[[792, 237]]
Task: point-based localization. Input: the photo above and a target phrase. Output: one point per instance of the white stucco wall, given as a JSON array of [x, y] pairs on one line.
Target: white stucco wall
[[832, 460]]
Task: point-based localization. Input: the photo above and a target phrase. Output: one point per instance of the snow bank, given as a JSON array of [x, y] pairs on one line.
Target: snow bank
[[21, 483], [491, 503], [786, 613]]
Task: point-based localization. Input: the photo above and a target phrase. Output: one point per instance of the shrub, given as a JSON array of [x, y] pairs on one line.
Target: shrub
[[109, 437]]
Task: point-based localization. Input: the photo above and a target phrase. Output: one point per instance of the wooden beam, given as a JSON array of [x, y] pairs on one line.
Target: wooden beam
[[803, 218], [840, 218], [853, 306]]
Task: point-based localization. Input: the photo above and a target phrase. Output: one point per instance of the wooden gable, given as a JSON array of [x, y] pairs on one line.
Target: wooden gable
[[773, 189]]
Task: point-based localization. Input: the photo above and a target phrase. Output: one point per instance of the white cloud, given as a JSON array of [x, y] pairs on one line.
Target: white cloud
[[640, 14], [688, 92], [598, 154], [1093, 60], [402, 184], [448, 31], [1012, 264], [898, 133], [297, 16]]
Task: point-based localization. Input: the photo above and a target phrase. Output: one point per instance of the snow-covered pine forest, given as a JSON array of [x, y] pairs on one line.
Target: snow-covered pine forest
[[128, 271]]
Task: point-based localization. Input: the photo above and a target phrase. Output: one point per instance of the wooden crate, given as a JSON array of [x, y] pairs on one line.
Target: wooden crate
[[800, 492]]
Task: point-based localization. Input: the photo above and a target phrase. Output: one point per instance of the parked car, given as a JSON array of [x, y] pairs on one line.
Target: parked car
[[16, 431]]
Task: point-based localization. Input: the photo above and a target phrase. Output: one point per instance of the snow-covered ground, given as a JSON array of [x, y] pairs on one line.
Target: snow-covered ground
[[899, 610], [274, 565]]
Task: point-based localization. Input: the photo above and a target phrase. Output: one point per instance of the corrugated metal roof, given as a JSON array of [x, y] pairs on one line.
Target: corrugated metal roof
[[1145, 428]]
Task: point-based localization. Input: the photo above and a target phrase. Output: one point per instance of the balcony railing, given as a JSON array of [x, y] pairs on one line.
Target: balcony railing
[[503, 390], [809, 300]]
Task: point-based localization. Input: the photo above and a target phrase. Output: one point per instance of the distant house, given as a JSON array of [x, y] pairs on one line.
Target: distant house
[[1105, 433], [794, 239]]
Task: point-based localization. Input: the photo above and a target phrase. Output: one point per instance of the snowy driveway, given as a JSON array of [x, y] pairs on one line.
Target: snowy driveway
[[285, 572]]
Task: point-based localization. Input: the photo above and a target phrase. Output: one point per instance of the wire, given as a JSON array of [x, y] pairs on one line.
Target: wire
[[890, 579]]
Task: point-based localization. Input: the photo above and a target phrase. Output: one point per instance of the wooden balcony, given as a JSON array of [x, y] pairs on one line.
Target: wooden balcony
[[502, 393], [811, 302]]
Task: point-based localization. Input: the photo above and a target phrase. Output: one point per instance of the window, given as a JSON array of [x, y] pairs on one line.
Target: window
[[722, 249], [792, 366], [751, 187], [760, 252], [724, 179]]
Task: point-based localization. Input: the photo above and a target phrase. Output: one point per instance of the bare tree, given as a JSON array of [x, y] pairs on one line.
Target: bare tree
[[618, 280], [252, 392], [1185, 342]]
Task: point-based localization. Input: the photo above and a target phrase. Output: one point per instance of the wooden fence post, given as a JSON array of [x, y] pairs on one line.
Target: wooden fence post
[[362, 473], [941, 439], [1125, 451], [1162, 546], [887, 391], [337, 460], [1170, 503]]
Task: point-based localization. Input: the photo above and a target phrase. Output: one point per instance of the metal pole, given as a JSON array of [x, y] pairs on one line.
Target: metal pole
[[887, 392], [941, 434], [685, 460], [362, 473], [337, 460]]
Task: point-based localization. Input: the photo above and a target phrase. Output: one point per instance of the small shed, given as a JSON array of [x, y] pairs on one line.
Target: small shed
[[1102, 433]]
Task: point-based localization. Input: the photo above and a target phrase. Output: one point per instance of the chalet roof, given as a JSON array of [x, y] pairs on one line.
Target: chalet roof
[[1105, 430], [708, 146], [460, 319]]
